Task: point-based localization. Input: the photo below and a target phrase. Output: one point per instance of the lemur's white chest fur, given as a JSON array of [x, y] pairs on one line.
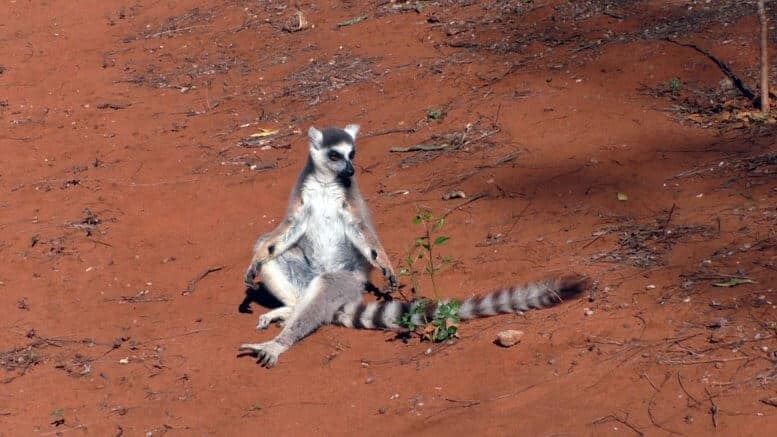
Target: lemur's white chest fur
[[327, 246]]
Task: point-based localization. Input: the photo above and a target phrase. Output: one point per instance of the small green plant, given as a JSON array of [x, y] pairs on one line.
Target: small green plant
[[433, 113], [422, 255], [423, 259], [675, 85], [406, 320], [444, 326], [446, 321]]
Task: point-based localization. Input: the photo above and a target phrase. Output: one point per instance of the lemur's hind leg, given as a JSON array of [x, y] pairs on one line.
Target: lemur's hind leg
[[318, 305], [286, 278]]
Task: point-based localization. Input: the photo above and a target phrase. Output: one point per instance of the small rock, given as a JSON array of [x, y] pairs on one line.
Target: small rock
[[588, 312], [454, 195], [124, 361], [509, 338], [650, 287], [369, 380]]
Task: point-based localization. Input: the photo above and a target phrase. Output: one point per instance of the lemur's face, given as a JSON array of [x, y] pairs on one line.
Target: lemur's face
[[333, 150]]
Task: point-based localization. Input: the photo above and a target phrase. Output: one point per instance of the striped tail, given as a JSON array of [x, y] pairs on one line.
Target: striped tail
[[542, 294]]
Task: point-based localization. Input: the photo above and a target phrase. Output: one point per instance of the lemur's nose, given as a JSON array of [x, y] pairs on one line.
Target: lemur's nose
[[348, 171]]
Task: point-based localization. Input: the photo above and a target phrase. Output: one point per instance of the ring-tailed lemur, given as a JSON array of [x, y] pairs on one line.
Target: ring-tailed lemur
[[317, 261]]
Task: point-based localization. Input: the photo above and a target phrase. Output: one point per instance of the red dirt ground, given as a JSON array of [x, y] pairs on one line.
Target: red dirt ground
[[123, 178]]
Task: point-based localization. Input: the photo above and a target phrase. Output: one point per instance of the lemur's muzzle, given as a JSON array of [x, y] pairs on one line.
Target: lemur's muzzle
[[348, 171]]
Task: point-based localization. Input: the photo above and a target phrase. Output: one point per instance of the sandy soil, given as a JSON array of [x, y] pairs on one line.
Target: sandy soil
[[128, 169]]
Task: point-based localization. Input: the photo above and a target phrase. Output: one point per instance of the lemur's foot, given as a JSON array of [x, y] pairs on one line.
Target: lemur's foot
[[267, 353], [276, 315]]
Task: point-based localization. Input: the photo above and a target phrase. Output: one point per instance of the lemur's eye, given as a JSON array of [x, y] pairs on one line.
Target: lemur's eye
[[351, 155], [334, 156]]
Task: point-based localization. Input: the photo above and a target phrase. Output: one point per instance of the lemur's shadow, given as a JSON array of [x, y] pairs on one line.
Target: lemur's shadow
[[263, 297], [259, 296]]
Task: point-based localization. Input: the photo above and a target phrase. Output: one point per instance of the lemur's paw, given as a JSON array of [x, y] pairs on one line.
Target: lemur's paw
[[267, 353], [250, 276], [391, 280], [264, 322], [276, 315]]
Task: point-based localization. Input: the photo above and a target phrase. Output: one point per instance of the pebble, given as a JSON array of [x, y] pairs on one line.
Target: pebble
[[509, 338], [588, 312], [454, 195]]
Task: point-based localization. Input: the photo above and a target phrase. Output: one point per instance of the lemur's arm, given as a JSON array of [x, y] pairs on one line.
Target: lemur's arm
[[279, 240], [367, 243], [284, 236]]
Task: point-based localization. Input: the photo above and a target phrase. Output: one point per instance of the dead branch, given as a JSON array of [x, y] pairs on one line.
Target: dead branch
[[747, 92], [464, 176], [624, 422]]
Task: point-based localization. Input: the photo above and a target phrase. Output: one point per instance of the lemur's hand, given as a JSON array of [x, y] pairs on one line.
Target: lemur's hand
[[262, 254], [250, 275], [391, 279]]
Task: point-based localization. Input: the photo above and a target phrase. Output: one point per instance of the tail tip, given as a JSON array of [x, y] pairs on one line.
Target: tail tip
[[572, 284]]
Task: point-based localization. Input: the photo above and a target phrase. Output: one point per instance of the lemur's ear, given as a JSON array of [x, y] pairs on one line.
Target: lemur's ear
[[352, 130], [316, 137]]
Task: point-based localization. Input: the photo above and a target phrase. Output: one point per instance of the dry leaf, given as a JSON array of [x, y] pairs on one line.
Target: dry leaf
[[264, 133]]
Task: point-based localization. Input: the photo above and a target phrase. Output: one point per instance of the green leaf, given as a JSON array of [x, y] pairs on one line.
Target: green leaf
[[417, 219], [440, 240], [733, 282], [447, 260], [434, 113], [440, 224]]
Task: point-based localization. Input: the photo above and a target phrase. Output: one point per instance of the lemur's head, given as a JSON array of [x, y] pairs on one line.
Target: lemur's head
[[332, 150]]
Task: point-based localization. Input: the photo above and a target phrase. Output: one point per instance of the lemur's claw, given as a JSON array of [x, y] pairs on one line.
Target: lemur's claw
[[267, 353]]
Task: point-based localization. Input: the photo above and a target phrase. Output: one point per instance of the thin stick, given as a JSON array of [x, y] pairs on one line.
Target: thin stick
[[764, 58], [422, 148], [408, 130], [614, 418], [193, 283], [713, 408], [477, 196]]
